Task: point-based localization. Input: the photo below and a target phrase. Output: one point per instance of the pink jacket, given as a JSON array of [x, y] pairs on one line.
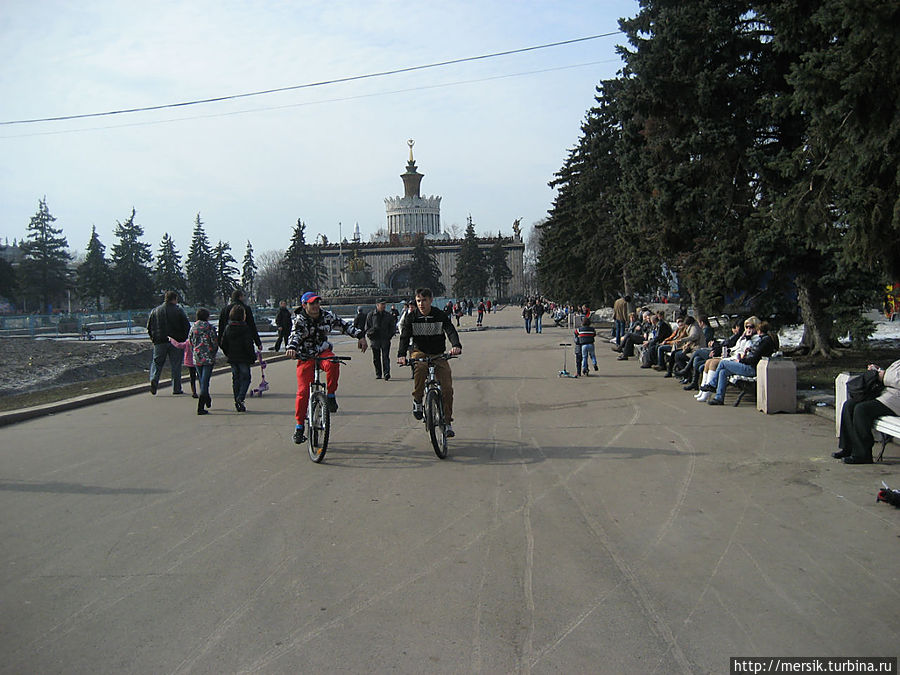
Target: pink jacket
[[188, 351]]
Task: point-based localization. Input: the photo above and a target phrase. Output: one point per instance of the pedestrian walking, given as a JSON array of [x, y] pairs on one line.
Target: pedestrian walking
[[166, 321], [204, 344], [238, 298], [480, 312], [284, 323], [380, 328], [188, 361], [237, 345], [584, 347], [538, 313], [527, 313]]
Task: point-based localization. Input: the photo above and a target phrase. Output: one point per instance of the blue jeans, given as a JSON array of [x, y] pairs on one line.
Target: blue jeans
[[176, 358], [588, 351], [724, 370], [538, 323], [203, 374], [240, 380], [527, 325], [619, 331]]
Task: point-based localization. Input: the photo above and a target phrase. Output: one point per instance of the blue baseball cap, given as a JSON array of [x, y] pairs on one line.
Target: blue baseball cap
[[309, 296]]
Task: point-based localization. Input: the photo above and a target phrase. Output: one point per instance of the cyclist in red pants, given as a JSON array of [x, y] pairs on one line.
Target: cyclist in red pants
[[309, 338]]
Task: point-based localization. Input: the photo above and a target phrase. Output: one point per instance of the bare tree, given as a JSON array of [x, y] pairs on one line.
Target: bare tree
[[272, 283]]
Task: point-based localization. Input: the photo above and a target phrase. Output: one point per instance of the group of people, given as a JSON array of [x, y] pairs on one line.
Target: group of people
[[690, 352], [423, 331]]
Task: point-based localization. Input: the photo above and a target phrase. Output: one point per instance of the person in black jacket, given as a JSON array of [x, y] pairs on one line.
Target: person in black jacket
[[285, 324], [380, 328], [237, 298], [167, 320], [237, 345]]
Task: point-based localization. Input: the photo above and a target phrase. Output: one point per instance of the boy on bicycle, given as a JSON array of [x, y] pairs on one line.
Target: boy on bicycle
[[309, 338], [425, 326]]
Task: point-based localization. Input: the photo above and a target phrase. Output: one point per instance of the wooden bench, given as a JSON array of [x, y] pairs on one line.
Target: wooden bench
[[744, 384]]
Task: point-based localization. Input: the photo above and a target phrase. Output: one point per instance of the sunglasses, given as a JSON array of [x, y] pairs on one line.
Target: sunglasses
[[749, 325]]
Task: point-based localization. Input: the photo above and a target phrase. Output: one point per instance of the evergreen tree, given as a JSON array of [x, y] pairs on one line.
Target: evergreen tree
[[500, 272], [248, 273], [93, 275], [200, 268], [226, 270], [131, 278], [424, 271], [44, 270], [167, 275], [9, 284], [303, 267], [471, 275]]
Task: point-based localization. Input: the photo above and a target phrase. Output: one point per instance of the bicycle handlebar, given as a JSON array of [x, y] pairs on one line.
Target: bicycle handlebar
[[439, 357], [333, 359]]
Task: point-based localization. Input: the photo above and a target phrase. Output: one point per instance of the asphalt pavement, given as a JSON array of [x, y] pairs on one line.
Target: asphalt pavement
[[607, 524]]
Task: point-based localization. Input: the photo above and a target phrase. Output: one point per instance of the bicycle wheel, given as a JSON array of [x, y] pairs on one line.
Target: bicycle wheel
[[434, 420], [318, 426]]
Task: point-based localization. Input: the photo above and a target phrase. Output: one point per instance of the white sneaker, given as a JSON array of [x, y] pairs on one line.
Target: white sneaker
[[703, 396], [448, 431], [418, 410]]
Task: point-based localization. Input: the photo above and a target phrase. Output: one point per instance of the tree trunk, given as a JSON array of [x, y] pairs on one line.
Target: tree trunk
[[817, 323]]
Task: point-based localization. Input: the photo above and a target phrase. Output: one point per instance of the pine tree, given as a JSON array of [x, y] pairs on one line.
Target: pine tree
[[93, 275], [44, 270], [248, 273], [167, 275], [500, 272], [200, 268], [226, 270], [131, 278], [424, 271], [471, 275], [9, 283], [302, 265]]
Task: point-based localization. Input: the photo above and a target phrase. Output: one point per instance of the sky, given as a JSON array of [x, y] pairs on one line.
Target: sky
[[489, 134]]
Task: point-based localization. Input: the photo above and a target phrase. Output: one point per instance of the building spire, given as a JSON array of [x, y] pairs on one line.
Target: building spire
[[412, 178]]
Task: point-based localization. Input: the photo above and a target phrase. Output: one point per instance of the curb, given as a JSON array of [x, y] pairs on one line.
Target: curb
[[23, 414]]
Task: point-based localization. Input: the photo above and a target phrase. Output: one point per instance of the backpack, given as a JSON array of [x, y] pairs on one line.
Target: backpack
[[865, 387]]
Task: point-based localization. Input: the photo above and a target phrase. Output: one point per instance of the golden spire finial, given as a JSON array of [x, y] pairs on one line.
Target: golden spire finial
[[410, 143]]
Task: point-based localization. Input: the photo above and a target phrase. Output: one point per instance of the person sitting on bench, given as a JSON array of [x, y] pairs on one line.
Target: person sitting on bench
[[856, 439]]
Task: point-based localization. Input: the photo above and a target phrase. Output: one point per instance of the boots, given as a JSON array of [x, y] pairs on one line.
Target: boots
[[201, 402], [694, 384], [703, 395]]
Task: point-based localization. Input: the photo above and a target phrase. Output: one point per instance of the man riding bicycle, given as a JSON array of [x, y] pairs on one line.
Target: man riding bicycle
[[425, 327], [309, 338]]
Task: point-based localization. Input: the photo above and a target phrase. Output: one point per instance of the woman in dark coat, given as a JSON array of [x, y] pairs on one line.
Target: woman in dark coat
[[238, 346]]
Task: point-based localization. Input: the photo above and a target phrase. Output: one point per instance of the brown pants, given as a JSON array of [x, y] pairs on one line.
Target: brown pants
[[444, 376]]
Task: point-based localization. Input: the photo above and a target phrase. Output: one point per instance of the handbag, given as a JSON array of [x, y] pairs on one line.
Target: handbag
[[865, 387]]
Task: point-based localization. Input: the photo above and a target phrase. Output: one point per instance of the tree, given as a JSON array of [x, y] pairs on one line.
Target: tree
[[471, 275], [500, 273], [248, 273], [424, 271], [200, 268], [303, 267], [131, 279], [9, 284], [93, 275], [271, 280], [226, 270], [168, 276], [44, 270]]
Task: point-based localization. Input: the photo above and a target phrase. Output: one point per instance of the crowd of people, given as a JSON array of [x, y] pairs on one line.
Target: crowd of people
[[422, 330]]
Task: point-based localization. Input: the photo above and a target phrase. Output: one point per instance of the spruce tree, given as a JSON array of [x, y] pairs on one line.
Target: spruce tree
[[93, 275], [200, 268], [44, 270], [500, 272], [248, 273], [168, 275], [9, 283], [424, 271], [131, 284], [302, 266], [471, 275], [226, 270]]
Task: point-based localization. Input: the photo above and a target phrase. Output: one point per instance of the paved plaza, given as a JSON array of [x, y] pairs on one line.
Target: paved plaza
[[607, 524]]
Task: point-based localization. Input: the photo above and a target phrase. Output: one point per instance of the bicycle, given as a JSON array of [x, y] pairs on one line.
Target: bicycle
[[318, 416], [433, 400]]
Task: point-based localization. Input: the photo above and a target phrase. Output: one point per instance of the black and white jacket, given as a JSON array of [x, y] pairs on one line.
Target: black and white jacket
[[309, 336]]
